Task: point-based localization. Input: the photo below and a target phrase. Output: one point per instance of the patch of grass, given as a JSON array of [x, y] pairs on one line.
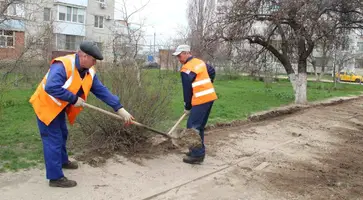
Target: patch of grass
[[325, 77], [21, 145]]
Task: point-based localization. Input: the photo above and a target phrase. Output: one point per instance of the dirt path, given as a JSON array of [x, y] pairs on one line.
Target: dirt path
[[316, 153]]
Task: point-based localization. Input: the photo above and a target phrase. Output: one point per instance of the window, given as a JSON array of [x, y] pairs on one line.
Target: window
[[75, 15], [71, 14], [359, 63], [98, 21], [7, 38], [62, 13], [12, 9], [99, 45], [269, 6], [46, 14], [346, 43], [15, 9], [360, 46], [322, 61], [80, 15], [68, 42]]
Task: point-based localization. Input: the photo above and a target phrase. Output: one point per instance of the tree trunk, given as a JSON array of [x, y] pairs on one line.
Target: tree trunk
[[322, 74], [299, 84], [313, 63]]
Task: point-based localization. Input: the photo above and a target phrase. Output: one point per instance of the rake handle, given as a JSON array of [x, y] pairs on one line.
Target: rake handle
[[119, 117], [177, 123]]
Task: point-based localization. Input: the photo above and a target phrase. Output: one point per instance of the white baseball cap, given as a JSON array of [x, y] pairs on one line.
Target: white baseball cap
[[181, 48]]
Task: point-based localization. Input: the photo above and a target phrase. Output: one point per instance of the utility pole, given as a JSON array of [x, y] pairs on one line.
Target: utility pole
[[150, 47], [154, 44]]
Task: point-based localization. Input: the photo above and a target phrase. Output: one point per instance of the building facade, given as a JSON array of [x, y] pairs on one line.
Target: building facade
[[12, 31], [51, 28]]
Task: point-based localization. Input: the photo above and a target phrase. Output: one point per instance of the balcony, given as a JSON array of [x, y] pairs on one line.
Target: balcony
[[67, 28], [83, 3]]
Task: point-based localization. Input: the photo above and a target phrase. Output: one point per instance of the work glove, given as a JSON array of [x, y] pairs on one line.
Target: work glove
[[127, 116], [187, 112], [79, 103]]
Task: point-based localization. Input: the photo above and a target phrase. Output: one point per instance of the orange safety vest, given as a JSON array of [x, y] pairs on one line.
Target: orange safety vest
[[203, 89], [47, 107]]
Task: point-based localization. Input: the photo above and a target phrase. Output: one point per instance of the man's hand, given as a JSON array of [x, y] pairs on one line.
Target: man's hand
[[127, 116], [79, 103], [187, 112]]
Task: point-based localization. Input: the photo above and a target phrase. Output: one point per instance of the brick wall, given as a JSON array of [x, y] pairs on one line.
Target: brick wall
[[12, 53]]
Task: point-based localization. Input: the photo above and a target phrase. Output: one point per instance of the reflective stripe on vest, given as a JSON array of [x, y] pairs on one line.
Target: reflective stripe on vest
[[202, 82], [205, 92], [92, 72]]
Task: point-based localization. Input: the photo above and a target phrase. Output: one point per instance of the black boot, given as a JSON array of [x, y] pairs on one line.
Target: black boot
[[63, 183], [193, 159], [70, 165]]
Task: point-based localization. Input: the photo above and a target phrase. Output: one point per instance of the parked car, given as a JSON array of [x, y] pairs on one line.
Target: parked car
[[349, 77], [151, 65]]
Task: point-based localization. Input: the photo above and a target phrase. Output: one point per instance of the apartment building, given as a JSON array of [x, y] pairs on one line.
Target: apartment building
[[100, 24], [12, 32], [56, 27]]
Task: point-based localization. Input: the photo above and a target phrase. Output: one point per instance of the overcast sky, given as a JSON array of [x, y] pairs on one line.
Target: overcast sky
[[164, 17]]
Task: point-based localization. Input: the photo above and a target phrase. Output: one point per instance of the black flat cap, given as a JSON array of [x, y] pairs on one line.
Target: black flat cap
[[91, 49]]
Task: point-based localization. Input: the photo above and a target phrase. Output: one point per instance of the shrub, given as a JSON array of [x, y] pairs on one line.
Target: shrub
[[148, 103]]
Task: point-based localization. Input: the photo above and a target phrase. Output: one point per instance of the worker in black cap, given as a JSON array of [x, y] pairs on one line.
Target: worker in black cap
[[63, 91]]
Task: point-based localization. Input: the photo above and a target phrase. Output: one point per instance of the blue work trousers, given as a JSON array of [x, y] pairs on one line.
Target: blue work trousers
[[54, 139], [198, 119]]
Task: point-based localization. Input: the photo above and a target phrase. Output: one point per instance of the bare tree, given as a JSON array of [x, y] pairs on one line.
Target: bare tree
[[299, 24], [126, 42], [201, 20], [326, 49], [32, 43]]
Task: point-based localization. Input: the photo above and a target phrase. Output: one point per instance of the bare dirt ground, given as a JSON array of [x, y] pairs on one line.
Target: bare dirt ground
[[314, 153]]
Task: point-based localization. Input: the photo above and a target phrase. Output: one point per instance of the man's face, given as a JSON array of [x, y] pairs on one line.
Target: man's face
[[87, 61], [182, 57]]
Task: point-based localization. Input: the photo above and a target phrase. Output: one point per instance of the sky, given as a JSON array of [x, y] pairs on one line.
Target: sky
[[162, 17]]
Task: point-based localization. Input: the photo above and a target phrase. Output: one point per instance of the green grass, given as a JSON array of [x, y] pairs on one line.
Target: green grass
[[325, 77], [21, 146]]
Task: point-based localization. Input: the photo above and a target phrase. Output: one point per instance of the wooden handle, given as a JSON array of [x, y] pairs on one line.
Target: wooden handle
[[121, 118], [177, 123], [102, 111]]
